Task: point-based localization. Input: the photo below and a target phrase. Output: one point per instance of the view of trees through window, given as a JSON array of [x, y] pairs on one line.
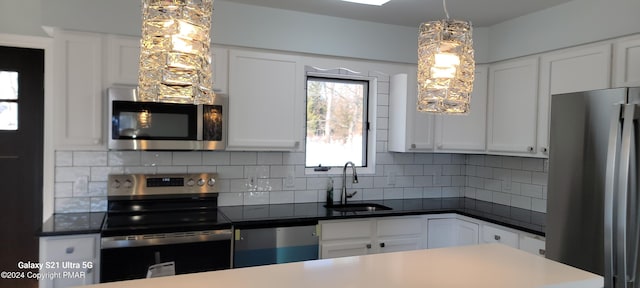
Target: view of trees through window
[[336, 122], [8, 100]]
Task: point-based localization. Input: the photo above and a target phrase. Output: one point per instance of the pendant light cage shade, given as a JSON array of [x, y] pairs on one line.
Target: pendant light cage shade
[[175, 59], [445, 67]]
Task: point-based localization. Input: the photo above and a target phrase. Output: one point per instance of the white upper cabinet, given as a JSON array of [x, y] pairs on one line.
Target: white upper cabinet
[[571, 70], [78, 90], [466, 133], [122, 60], [409, 130], [512, 107], [220, 63], [265, 101], [626, 71]]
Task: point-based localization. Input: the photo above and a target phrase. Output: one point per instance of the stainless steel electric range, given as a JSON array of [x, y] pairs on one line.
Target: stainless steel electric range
[[158, 219]]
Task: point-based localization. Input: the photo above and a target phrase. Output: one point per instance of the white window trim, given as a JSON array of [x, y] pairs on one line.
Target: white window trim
[[372, 116]]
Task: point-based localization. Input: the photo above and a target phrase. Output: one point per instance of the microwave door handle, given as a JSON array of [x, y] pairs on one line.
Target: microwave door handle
[[610, 186], [622, 197]]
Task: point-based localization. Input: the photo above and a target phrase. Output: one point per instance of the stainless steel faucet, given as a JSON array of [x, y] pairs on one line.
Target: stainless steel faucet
[[344, 195]]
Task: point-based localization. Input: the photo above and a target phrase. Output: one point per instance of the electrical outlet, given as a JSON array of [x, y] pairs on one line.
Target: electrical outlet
[[391, 178]]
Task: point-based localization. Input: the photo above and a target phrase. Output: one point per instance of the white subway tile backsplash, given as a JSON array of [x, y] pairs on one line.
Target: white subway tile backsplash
[[442, 159], [423, 158], [493, 161], [532, 190], [402, 158], [70, 205], [124, 158], [432, 192], [484, 195], [98, 204], [215, 158], [512, 162], [63, 189], [201, 169], [501, 198], [64, 158], [256, 198], [172, 169], [539, 205], [413, 170], [452, 191], [521, 176], [423, 181], [533, 164], [521, 201], [305, 196], [539, 178], [442, 181], [269, 158], [156, 158], [70, 174], [493, 185], [393, 193], [230, 172], [243, 158], [280, 197], [187, 158], [373, 194], [451, 170], [81, 158], [412, 192]]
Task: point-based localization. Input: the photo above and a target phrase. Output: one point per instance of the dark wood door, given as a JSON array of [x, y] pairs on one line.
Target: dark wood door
[[21, 145]]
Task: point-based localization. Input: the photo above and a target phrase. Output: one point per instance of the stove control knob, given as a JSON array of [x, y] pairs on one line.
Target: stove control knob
[[200, 182], [211, 182], [115, 184], [191, 182], [128, 184]]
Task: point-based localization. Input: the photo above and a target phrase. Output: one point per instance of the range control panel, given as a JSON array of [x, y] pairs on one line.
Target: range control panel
[[161, 184]]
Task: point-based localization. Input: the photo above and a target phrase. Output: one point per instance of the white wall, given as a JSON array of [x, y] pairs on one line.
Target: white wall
[[570, 24]]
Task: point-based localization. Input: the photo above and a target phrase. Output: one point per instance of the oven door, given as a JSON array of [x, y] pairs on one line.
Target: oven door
[[150, 125], [130, 257]]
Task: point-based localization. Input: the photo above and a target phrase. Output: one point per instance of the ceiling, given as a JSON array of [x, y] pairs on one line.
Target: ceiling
[[481, 13]]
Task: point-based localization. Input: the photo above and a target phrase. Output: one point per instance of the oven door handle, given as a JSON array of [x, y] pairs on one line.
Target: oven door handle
[[165, 238]]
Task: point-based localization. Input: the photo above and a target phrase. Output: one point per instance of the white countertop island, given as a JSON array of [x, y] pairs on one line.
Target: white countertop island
[[487, 265]]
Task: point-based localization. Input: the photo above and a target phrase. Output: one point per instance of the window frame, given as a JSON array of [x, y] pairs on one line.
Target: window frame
[[371, 108]]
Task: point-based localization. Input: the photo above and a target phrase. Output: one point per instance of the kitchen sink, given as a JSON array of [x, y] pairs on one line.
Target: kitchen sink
[[358, 207]]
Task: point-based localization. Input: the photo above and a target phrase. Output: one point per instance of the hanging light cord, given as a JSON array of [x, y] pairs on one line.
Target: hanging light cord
[[444, 4]]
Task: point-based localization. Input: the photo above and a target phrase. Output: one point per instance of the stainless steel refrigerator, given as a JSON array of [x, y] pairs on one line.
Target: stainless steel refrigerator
[[592, 207]]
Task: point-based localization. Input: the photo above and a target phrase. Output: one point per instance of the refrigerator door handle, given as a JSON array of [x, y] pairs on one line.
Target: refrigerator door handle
[[622, 196], [610, 188]]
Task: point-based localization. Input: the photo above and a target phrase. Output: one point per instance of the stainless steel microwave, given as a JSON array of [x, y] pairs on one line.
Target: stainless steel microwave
[[135, 125]]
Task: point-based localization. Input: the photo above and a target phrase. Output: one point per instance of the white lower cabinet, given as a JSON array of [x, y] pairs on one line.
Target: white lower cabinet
[[451, 231], [70, 260], [340, 238], [496, 234], [533, 244]]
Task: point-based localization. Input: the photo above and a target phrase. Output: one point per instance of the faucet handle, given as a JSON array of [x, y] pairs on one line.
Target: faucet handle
[[351, 195]]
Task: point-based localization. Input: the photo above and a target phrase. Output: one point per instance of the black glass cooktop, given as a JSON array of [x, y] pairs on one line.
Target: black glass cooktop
[[152, 216]]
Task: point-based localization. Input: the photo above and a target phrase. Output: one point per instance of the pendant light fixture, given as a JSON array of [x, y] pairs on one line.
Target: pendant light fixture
[[445, 66], [175, 63]]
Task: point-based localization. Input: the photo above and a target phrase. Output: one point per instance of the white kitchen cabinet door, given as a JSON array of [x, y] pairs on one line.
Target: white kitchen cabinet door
[[532, 244], [386, 245], [345, 248], [497, 234], [81, 250], [78, 90], [123, 60], [512, 107], [571, 70], [265, 93], [409, 130], [627, 62], [220, 66], [466, 133], [449, 232]]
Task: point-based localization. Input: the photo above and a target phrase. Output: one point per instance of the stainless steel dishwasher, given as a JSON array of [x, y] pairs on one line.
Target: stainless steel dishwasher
[[272, 245]]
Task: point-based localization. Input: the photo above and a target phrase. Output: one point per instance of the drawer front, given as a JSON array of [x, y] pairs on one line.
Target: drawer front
[[71, 248], [346, 230], [400, 226], [533, 244], [491, 234]]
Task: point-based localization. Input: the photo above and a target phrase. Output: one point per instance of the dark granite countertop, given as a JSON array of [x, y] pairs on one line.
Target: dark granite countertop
[[73, 223], [255, 216]]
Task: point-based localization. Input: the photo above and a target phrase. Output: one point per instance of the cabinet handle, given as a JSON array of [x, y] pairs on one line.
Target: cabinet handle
[[497, 237], [69, 250], [413, 146], [541, 252], [382, 245], [545, 150], [530, 149], [368, 246]]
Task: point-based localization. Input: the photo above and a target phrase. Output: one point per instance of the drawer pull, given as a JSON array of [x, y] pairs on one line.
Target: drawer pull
[[368, 246], [541, 252], [382, 245], [69, 250], [496, 237]]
